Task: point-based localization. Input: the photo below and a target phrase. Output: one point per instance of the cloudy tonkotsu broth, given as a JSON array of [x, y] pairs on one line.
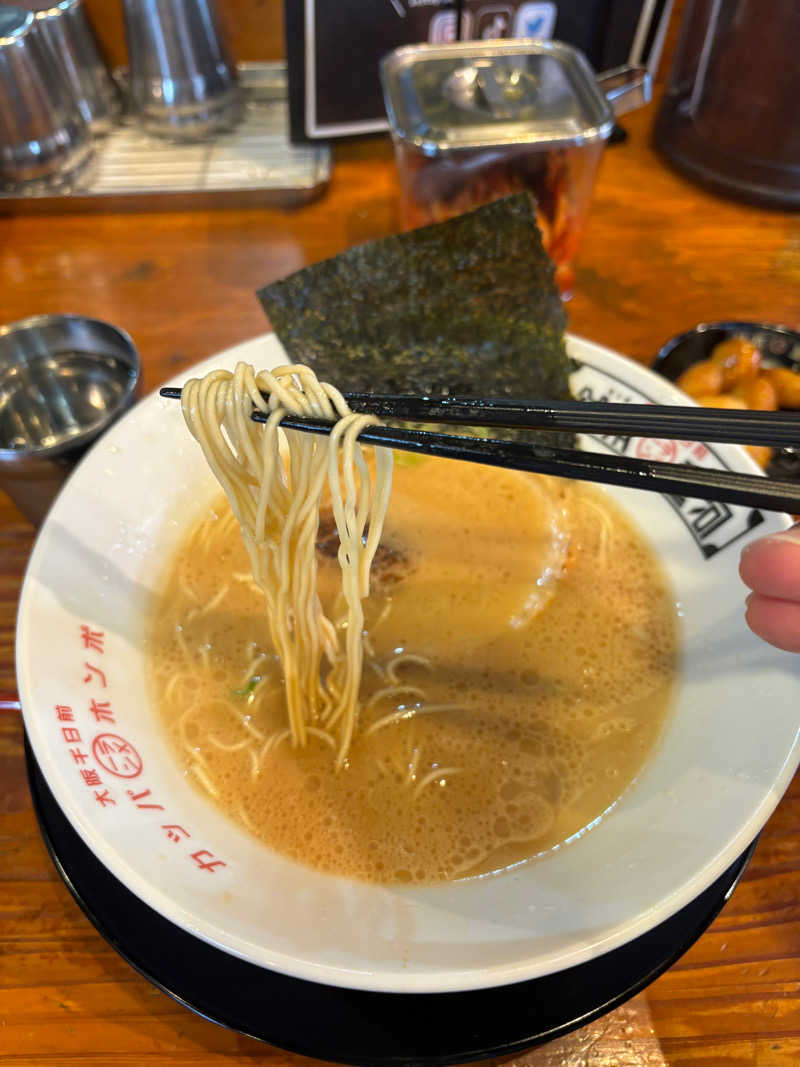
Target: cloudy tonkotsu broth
[[522, 648]]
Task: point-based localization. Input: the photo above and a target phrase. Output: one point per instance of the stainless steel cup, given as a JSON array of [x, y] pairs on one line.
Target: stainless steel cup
[[66, 28], [43, 137], [182, 82], [63, 380]]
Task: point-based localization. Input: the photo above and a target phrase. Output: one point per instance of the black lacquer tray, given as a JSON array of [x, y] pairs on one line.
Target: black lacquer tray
[[353, 1026]]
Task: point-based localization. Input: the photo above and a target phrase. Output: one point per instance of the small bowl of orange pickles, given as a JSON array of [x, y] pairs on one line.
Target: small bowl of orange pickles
[[740, 365]]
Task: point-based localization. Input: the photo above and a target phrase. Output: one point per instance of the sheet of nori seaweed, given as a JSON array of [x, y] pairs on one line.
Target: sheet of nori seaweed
[[467, 307]]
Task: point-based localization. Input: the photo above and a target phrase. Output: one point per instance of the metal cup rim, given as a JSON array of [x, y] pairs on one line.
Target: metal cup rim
[[25, 25], [55, 9]]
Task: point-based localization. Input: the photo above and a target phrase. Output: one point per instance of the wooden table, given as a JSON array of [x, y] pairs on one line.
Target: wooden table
[[659, 255]]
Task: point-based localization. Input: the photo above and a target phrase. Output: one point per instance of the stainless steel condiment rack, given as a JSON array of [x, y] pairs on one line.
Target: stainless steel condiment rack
[[254, 164]]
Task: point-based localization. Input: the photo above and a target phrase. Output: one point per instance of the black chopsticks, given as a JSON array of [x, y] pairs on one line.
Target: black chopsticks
[[618, 420], [777, 428]]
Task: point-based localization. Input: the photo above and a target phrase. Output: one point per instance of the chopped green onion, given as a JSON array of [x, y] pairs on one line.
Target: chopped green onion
[[248, 689]]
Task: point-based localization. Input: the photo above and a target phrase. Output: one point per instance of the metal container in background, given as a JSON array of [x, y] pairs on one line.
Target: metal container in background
[[728, 117], [44, 140], [254, 165], [183, 84], [478, 120], [63, 380], [66, 28]]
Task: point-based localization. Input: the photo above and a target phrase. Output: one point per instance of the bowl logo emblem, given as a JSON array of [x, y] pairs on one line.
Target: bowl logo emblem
[[713, 526], [651, 448], [117, 756]]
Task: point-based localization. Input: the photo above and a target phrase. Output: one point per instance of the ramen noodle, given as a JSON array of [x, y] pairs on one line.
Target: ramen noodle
[[277, 503]]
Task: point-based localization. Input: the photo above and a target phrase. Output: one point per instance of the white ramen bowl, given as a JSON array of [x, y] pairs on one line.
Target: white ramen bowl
[[727, 754]]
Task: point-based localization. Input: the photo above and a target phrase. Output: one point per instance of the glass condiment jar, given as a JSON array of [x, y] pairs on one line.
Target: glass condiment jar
[[478, 120]]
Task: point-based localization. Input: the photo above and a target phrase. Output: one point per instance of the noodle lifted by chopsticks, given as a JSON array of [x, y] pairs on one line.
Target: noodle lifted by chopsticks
[[276, 501]]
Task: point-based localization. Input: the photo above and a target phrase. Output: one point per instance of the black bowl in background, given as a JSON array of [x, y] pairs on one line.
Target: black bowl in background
[[779, 345]]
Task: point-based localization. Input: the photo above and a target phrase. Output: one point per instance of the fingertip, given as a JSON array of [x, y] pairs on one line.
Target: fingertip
[[771, 565], [774, 620]]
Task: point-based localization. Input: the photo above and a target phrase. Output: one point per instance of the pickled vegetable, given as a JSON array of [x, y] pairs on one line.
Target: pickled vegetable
[[701, 379], [733, 377], [738, 358], [724, 400], [760, 453], [786, 384], [758, 393]]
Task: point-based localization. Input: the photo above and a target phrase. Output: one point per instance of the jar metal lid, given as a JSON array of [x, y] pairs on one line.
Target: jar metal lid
[[476, 94]]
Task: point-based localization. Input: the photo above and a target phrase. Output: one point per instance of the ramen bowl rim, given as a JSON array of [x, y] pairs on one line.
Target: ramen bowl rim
[[446, 981]]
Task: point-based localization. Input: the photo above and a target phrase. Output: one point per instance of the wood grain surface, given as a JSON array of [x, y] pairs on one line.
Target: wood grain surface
[[659, 255]]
